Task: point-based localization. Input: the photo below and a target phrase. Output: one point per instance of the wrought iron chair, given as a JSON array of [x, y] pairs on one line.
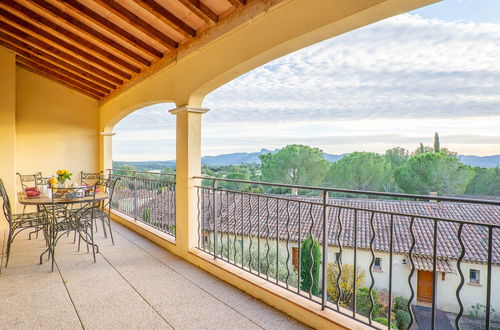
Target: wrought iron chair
[[62, 219], [20, 222], [87, 178], [104, 212], [26, 179]]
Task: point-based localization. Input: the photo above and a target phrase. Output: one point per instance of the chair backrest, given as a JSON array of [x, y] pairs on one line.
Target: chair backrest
[[7, 211], [27, 178], [89, 178], [109, 187]]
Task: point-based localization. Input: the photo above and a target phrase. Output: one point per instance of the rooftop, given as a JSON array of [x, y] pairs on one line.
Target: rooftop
[[133, 284], [474, 237]]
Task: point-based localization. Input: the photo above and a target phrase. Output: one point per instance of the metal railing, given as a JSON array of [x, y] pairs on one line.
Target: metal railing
[[251, 226], [148, 197]]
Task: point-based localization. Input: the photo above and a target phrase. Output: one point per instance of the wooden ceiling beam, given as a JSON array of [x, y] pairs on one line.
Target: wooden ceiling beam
[[15, 32], [138, 23], [111, 27], [64, 73], [32, 66], [35, 55], [237, 3], [201, 10], [167, 17], [37, 32], [60, 14], [75, 39]]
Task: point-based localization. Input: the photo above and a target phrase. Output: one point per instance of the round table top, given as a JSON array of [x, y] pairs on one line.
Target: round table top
[[44, 200]]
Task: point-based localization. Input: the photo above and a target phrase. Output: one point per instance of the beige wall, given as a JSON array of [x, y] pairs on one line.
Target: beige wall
[[56, 127], [7, 123], [44, 126]]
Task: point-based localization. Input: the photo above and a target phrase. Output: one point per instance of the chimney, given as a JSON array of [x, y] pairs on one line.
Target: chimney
[[295, 191], [433, 194]]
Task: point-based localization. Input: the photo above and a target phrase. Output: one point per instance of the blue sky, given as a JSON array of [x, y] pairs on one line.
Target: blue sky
[[393, 83]]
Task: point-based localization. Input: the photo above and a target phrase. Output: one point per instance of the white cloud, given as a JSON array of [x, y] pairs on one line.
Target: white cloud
[[403, 78]]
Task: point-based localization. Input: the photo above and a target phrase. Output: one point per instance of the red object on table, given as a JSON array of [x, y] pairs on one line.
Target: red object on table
[[32, 193], [31, 189]]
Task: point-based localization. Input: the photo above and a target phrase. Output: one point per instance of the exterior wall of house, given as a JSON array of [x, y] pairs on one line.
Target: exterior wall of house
[[56, 127], [470, 295]]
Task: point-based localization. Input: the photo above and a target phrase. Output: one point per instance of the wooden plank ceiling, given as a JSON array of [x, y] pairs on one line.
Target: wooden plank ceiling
[[95, 46]]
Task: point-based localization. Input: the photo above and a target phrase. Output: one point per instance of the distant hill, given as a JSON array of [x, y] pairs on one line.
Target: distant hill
[[236, 158], [239, 158], [485, 161]]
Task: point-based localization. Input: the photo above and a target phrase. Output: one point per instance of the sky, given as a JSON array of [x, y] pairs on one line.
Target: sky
[[392, 83]]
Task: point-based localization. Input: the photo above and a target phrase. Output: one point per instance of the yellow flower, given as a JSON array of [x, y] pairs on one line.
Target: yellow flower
[[53, 182], [59, 172]]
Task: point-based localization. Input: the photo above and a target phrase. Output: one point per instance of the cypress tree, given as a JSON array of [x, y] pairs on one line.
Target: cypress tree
[[308, 266], [437, 147]]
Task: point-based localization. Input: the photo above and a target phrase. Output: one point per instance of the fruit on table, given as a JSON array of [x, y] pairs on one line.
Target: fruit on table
[[32, 193]]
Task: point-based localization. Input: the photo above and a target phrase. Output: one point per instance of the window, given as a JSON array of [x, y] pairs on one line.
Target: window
[[474, 276], [338, 257], [295, 258], [378, 264]]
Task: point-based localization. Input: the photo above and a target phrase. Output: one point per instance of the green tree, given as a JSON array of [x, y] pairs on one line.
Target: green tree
[[434, 172], [361, 171], [396, 156], [125, 170], [437, 147], [235, 185], [485, 182], [422, 150], [295, 164], [308, 266]]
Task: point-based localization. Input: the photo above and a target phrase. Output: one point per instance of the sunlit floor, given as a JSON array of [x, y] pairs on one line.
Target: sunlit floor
[[134, 284]]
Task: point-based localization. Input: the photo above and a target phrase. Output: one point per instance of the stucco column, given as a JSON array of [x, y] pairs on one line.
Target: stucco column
[[188, 165], [8, 126], [106, 150]]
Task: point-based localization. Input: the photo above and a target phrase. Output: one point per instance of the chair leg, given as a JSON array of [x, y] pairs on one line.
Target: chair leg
[[104, 227], [53, 258], [9, 243], [92, 242], [110, 231]]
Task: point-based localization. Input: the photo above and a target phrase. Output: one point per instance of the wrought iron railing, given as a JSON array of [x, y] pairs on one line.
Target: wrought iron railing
[[148, 197], [252, 226]]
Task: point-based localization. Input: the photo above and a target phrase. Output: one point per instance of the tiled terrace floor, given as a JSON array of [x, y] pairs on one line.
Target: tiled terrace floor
[[135, 284]]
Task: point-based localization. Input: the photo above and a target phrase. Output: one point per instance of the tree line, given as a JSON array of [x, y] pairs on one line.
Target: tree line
[[421, 171]]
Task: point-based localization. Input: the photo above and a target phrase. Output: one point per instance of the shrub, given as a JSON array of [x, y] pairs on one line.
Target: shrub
[[363, 303], [146, 215], [402, 319], [384, 321], [478, 312], [400, 303], [345, 297], [307, 265]]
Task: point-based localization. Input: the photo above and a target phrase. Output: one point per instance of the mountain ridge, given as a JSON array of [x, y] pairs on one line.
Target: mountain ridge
[[239, 158]]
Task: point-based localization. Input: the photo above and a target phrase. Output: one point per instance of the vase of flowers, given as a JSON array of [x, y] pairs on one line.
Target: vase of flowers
[[62, 176]]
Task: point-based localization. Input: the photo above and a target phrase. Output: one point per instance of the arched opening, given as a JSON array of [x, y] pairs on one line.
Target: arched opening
[[144, 159], [398, 108]]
